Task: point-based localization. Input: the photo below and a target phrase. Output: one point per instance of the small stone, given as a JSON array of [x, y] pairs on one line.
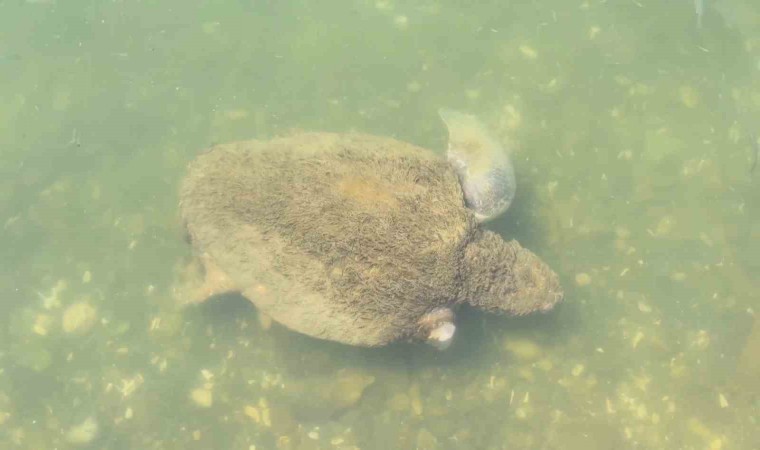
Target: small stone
[[472, 94], [52, 300], [128, 414], [79, 318], [582, 279], [677, 276], [348, 388], [86, 277], [722, 401], [266, 417], [528, 52], [578, 370], [236, 114], [523, 349], [545, 364], [399, 402], [202, 397], [701, 340], [664, 226], [426, 440], [253, 413], [83, 433], [401, 22], [689, 96], [42, 324], [637, 338], [284, 443]]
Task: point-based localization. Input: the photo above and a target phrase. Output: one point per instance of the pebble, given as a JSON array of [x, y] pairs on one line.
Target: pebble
[[202, 397], [426, 440], [42, 324], [528, 52], [236, 114], [636, 339], [266, 417], [582, 279], [401, 22], [413, 86], [523, 349], [689, 96], [348, 388], [79, 318], [399, 402], [83, 433], [253, 413]]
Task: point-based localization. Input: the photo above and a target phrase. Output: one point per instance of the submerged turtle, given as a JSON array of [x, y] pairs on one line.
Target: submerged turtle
[[361, 239]]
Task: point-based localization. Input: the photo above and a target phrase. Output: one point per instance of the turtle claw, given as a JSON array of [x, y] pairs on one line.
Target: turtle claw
[[437, 327]]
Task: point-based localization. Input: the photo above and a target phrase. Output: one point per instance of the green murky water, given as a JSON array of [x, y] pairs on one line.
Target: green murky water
[[631, 128]]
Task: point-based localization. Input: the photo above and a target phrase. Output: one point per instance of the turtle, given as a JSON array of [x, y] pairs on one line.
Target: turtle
[[360, 239]]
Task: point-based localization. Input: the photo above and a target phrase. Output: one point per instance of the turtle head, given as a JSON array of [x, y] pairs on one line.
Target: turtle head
[[503, 277], [437, 327]]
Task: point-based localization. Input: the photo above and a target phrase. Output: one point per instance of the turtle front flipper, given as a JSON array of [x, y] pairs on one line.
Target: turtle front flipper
[[481, 163], [200, 280]]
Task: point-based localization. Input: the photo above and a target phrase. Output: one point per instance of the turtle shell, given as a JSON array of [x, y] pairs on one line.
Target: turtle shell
[[358, 239], [346, 237]]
